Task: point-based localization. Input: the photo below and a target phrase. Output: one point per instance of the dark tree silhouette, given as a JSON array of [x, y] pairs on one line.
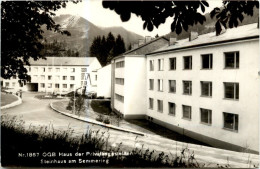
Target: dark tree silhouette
[[119, 47], [184, 13], [106, 48], [21, 30]]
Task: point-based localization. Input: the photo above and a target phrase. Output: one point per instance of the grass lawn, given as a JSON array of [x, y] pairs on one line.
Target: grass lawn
[[7, 99]]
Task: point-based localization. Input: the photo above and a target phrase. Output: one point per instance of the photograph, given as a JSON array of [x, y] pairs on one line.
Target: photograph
[[130, 84]]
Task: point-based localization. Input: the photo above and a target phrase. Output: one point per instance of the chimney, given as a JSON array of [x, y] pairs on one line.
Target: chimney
[[141, 42], [193, 35], [172, 41], [148, 39]]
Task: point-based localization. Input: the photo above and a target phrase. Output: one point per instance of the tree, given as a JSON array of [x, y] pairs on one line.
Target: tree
[[119, 47], [106, 48], [21, 30], [79, 104], [184, 13]]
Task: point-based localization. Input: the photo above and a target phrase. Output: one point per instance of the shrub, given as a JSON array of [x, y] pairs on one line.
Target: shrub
[[100, 118], [106, 120]]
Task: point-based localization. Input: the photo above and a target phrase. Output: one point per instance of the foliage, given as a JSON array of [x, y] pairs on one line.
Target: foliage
[[79, 104], [46, 139], [106, 48], [232, 13], [58, 49], [21, 30], [184, 13], [154, 13], [100, 118]]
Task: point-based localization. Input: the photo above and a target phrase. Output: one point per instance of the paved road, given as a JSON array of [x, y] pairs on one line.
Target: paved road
[[38, 112]]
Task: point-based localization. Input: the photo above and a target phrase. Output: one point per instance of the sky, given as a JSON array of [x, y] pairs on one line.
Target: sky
[[93, 11]]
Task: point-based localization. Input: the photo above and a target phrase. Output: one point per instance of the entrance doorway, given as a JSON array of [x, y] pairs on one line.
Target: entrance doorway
[[32, 87]]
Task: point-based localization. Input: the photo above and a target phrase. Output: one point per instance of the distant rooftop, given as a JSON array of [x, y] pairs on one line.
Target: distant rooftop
[[64, 61], [240, 32]]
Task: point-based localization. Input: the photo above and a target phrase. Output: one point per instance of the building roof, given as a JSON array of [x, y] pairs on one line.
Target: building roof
[[64, 61], [132, 50], [162, 37], [242, 32]]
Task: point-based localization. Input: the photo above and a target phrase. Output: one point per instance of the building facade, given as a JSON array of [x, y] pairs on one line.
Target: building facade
[[206, 87], [59, 75], [129, 79]]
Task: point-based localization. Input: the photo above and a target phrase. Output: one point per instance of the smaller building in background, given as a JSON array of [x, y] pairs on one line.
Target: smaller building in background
[[104, 82], [59, 75]]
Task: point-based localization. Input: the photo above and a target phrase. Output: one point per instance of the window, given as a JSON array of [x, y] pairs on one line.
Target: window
[[96, 77], [151, 65], [13, 84], [187, 87], [42, 77], [160, 105], [72, 77], [206, 61], [172, 63], [120, 98], [72, 69], [57, 85], [231, 91], [30, 69], [57, 69], [160, 85], [49, 69], [43, 69], [120, 64], [64, 77], [232, 60], [172, 86], [65, 69], [151, 84], [120, 81], [205, 116], [171, 108], [187, 62], [186, 112], [160, 64], [6, 84], [71, 86], [14, 77], [83, 69], [42, 85], [49, 77], [64, 86], [206, 88], [150, 103], [230, 121]]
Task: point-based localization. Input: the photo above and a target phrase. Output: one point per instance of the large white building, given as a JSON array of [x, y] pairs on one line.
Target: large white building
[[59, 75], [205, 87]]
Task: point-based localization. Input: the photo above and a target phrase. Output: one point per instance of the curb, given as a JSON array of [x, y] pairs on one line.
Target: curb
[[96, 122], [15, 103]]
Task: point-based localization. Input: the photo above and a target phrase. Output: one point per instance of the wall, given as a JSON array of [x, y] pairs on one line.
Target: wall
[[104, 82], [135, 86], [119, 89], [247, 107]]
